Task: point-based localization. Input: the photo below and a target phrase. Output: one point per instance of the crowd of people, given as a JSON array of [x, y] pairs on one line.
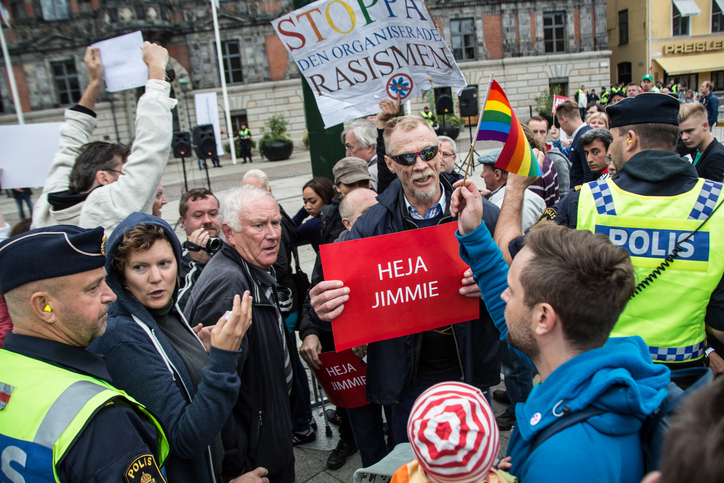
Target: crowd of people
[[131, 355]]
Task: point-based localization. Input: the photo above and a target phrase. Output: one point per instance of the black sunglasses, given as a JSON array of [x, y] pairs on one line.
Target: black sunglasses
[[408, 159]]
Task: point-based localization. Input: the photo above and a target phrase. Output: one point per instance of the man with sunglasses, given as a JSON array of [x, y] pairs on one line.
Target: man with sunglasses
[[400, 369], [92, 184]]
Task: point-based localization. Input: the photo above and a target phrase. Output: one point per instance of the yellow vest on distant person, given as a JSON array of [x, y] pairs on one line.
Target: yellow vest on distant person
[[670, 313], [46, 410]]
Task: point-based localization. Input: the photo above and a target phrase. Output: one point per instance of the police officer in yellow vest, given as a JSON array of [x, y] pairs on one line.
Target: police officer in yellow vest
[[60, 418], [428, 115], [245, 143], [658, 209]]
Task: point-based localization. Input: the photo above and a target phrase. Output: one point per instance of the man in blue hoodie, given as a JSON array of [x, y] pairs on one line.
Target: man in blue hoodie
[[564, 293]]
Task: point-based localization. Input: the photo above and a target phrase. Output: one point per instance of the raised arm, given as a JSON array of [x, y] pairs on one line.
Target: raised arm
[[80, 121], [136, 189], [92, 60]]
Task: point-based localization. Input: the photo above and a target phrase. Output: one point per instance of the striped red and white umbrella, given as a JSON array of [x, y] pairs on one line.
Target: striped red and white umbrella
[[453, 433]]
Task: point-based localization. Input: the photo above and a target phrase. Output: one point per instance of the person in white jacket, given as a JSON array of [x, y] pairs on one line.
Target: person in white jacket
[[100, 184]]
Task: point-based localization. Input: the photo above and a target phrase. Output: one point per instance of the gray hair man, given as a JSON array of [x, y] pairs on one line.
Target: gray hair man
[[397, 372], [251, 225], [360, 141]]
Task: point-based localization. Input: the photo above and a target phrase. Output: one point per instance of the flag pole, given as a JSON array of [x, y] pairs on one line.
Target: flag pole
[[477, 128], [225, 93]]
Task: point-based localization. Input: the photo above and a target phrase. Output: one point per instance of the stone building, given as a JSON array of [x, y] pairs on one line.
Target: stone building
[[685, 41], [528, 45]]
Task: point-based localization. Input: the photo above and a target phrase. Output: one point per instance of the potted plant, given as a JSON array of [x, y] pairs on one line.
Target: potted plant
[[275, 144]]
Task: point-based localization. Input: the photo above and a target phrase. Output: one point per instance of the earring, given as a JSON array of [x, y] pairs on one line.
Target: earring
[[629, 141], [47, 308]]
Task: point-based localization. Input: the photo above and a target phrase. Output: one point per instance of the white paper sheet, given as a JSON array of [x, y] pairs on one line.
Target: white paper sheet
[[123, 62], [26, 152]]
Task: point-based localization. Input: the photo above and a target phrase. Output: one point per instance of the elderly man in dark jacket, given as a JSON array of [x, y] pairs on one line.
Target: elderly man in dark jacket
[[251, 223], [400, 369]]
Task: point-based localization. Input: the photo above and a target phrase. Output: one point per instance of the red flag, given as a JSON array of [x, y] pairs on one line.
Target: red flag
[[557, 101]]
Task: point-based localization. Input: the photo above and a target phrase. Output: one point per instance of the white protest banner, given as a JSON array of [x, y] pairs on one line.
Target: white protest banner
[[355, 53], [26, 152], [122, 59], [207, 112]]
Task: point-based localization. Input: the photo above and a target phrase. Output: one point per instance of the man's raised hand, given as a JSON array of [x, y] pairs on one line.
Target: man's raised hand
[[328, 298], [467, 204], [92, 60], [388, 110], [156, 58]]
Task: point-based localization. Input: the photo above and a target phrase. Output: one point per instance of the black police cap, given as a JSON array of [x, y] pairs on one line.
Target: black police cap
[[648, 107], [50, 252]]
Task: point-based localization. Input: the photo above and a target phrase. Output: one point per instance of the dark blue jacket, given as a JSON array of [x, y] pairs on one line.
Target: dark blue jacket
[[711, 102], [580, 172], [142, 362], [392, 364]]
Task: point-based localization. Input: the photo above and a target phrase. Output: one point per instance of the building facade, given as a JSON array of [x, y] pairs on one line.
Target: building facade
[[685, 41], [528, 45]]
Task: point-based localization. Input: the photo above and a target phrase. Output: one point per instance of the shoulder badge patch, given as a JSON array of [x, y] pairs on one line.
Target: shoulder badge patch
[[143, 470], [578, 188], [5, 391], [548, 214]]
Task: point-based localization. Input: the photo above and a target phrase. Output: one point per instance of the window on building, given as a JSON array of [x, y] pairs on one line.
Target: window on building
[[623, 27], [54, 9], [231, 53], [717, 20], [679, 23], [462, 38], [554, 32], [624, 72], [66, 82], [717, 78]]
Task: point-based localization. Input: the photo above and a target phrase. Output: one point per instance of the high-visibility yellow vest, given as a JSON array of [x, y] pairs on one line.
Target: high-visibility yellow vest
[[670, 313], [244, 133], [43, 409], [428, 115]]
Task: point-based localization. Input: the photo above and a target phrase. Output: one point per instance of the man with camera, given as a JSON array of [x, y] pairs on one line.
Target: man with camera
[[199, 216]]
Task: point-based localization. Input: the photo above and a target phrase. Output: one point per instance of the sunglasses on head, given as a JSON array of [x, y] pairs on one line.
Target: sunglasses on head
[[408, 159]]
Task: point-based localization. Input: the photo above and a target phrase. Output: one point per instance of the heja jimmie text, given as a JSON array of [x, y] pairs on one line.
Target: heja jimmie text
[[406, 293]]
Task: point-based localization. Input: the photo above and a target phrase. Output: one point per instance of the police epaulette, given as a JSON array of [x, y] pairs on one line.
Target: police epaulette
[[578, 188]]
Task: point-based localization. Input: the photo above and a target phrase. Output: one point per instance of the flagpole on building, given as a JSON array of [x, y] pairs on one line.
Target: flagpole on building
[[9, 66], [229, 127], [477, 128]]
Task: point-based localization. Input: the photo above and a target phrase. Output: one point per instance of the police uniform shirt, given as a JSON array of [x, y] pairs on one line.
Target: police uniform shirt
[[648, 173], [115, 441]]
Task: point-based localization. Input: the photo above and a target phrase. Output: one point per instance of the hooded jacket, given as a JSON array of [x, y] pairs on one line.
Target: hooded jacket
[[143, 363], [619, 378], [108, 205], [392, 364], [264, 408]]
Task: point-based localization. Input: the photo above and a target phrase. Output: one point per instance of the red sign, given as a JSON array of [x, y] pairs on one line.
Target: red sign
[[557, 101], [400, 284], [343, 377]]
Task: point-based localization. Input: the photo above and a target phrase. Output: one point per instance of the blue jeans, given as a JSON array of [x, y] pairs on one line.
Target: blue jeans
[[302, 416], [401, 410], [518, 378], [369, 435]]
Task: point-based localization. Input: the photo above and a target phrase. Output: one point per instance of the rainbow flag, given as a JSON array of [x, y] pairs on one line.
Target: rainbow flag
[[499, 123]]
